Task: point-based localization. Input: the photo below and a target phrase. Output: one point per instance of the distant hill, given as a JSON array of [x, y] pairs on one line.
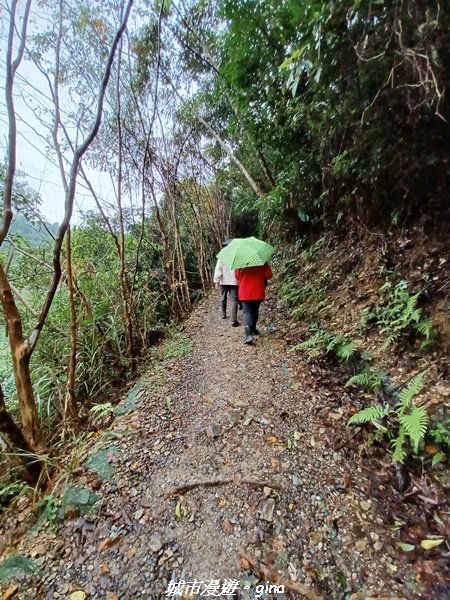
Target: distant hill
[[34, 233]]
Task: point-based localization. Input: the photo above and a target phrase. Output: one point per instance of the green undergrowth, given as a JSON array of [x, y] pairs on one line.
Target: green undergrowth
[[178, 345], [92, 452], [367, 323]]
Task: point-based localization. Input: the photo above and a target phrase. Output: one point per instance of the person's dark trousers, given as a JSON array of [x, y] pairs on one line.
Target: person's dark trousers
[[251, 313], [232, 291]]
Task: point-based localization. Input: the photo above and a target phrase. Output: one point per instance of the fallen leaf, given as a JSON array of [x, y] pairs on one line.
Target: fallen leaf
[[431, 449], [79, 595], [335, 416], [180, 509], [10, 592], [109, 542], [245, 564], [272, 440], [228, 526], [429, 544], [405, 547]]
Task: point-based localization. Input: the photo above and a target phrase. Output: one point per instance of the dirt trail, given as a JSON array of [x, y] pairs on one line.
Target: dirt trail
[[245, 425]]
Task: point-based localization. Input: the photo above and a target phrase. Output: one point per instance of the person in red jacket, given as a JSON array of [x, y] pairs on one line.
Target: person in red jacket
[[252, 291]]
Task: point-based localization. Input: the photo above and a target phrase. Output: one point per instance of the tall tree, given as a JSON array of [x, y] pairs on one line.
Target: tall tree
[[22, 348]]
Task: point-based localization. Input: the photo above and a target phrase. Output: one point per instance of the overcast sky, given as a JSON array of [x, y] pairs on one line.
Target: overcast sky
[[33, 159]]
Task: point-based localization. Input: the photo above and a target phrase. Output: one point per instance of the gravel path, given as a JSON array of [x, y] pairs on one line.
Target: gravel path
[[246, 431]]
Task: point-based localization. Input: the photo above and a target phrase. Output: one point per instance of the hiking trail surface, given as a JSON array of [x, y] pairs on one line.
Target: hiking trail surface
[[222, 469]]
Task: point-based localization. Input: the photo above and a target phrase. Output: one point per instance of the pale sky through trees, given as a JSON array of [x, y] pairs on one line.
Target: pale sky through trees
[[40, 172], [35, 160]]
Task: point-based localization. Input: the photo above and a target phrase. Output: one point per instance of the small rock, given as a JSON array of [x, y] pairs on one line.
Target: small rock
[[155, 544], [365, 505], [240, 402], [139, 514], [361, 545], [378, 546], [267, 510], [267, 490], [234, 417], [38, 550], [213, 431]]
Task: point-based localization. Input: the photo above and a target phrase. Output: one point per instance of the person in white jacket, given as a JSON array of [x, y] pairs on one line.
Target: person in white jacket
[[224, 277]]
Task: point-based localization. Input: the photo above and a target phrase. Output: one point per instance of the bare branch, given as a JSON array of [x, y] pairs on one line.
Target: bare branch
[[70, 195]]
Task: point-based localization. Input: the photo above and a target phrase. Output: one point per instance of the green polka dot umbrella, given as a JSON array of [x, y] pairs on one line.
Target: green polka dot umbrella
[[241, 253]]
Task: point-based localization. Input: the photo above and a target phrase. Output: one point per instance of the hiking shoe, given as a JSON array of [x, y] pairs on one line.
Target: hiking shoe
[[248, 336], [224, 316], [235, 324]]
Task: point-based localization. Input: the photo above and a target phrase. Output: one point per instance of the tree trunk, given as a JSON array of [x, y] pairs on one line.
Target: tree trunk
[[70, 397], [21, 365], [16, 447]]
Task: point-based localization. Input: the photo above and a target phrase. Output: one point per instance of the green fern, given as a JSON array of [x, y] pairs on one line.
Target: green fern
[[437, 458], [311, 342], [397, 313], [411, 420], [362, 379], [368, 379], [415, 424], [408, 393], [298, 312], [346, 350], [369, 415], [292, 298]]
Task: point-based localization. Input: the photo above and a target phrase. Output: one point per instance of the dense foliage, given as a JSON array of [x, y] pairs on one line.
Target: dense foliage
[[340, 108]]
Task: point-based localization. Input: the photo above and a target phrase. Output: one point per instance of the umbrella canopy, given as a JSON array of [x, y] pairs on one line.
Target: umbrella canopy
[[241, 253]]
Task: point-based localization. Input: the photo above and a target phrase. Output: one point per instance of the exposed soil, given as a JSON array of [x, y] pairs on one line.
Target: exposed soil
[[225, 470]]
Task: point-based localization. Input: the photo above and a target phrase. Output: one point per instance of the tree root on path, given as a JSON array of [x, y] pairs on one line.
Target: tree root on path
[[269, 574], [180, 489]]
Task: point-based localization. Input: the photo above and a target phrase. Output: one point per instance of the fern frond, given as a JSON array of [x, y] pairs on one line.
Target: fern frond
[[388, 341], [408, 393], [298, 312], [415, 424], [437, 458], [425, 327], [332, 342], [368, 415], [361, 379], [399, 454], [346, 350], [311, 342]]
